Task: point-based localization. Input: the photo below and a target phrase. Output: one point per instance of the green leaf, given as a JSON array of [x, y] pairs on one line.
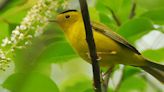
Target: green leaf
[[33, 82], [12, 81], [90, 90], [93, 12], [107, 20], [57, 52], [39, 83], [135, 27], [133, 84], [113, 4], [12, 26], [121, 8], [77, 84], [130, 71], [12, 3], [155, 15], [124, 11], [154, 55], [3, 30], [16, 18], [15, 14], [151, 4], [47, 49], [100, 7]]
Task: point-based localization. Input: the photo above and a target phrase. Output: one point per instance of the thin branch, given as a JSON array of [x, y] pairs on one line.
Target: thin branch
[[132, 13], [91, 45], [121, 80], [118, 22], [105, 83], [105, 78]]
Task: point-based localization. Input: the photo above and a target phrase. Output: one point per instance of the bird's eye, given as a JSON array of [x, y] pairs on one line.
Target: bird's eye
[[67, 16]]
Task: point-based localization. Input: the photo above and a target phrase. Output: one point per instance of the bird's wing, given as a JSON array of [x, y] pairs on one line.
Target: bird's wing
[[109, 33]]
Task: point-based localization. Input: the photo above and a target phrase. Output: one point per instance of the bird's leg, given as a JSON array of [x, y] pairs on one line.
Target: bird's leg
[[105, 78]]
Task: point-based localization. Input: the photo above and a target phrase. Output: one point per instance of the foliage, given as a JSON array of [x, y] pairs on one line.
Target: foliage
[[34, 61]]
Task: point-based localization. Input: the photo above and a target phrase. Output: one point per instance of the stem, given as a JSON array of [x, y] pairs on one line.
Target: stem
[[121, 80], [105, 78], [115, 17], [132, 13], [91, 45]]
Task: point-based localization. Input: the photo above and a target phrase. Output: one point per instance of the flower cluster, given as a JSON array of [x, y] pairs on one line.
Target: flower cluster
[[31, 26], [3, 60]]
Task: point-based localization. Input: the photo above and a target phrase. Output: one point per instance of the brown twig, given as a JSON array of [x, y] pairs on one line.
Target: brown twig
[[91, 45], [105, 78], [132, 13]]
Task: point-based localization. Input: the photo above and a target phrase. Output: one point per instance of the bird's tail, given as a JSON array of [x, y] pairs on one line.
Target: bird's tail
[[156, 70]]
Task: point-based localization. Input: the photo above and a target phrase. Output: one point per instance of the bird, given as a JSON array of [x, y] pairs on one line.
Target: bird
[[111, 48]]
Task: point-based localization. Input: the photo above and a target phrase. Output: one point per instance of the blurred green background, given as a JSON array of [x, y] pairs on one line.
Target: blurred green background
[[51, 65]]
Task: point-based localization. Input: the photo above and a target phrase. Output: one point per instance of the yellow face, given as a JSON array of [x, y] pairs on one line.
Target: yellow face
[[67, 19]]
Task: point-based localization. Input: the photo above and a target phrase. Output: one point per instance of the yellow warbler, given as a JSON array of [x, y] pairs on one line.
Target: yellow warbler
[[111, 48]]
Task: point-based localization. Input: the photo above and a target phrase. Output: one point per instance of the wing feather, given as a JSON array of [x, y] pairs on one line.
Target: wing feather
[[109, 33]]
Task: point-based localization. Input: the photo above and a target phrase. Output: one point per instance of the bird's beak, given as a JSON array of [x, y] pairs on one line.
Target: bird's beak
[[52, 20]]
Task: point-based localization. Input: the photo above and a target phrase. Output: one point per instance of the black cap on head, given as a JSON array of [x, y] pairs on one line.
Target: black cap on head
[[68, 11]]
